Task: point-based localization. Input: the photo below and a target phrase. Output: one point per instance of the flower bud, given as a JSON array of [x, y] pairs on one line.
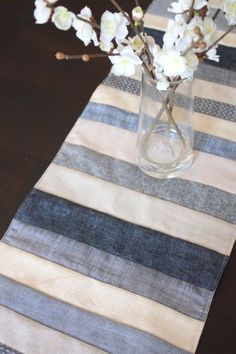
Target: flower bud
[[60, 56], [85, 57], [197, 30], [202, 45], [137, 13]]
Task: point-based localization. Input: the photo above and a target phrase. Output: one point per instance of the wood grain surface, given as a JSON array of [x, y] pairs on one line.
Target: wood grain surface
[[41, 100]]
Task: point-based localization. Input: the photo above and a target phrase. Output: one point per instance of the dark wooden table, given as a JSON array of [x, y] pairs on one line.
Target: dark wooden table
[[40, 101]]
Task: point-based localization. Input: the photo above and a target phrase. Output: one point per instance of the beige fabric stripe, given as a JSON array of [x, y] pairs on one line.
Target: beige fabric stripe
[[123, 203], [28, 336], [100, 298], [207, 169], [202, 122], [120, 99], [214, 91], [160, 23]]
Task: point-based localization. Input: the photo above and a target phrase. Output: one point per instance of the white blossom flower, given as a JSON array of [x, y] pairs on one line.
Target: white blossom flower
[[85, 31], [192, 65], [113, 25], [162, 82], [184, 5], [212, 55], [62, 18], [173, 30], [173, 63], [125, 62], [209, 31], [106, 47], [42, 12], [137, 13], [229, 8], [157, 54]]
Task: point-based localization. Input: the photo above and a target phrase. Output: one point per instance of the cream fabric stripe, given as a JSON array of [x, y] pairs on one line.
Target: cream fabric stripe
[[160, 23], [202, 122], [103, 299], [31, 337], [208, 169], [123, 203], [214, 91]]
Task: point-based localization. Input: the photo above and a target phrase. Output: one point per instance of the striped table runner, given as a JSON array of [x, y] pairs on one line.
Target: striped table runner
[[102, 258]]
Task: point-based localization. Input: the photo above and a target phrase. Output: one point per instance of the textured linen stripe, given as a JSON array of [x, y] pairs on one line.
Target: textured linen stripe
[[29, 336], [103, 299], [83, 325], [202, 105], [138, 244], [211, 90], [207, 169], [159, 24], [210, 200], [138, 208], [90, 261], [4, 349], [100, 109], [129, 121]]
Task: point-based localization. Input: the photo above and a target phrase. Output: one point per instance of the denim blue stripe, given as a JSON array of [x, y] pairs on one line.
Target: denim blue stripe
[[174, 257], [122, 119], [86, 326], [95, 263]]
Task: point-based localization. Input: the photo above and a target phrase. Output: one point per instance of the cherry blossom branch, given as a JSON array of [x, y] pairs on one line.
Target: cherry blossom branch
[[136, 2], [219, 39], [92, 23], [119, 8], [165, 103], [84, 57]]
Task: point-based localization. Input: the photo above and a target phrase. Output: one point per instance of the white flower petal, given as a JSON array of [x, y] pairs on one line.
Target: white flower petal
[[173, 63], [42, 14], [125, 63], [229, 8], [113, 25], [62, 18]]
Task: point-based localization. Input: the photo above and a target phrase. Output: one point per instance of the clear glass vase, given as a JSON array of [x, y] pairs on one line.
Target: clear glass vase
[[165, 132]]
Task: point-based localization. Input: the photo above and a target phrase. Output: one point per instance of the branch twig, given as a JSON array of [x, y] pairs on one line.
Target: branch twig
[[92, 23], [119, 8], [190, 12], [84, 57], [221, 37]]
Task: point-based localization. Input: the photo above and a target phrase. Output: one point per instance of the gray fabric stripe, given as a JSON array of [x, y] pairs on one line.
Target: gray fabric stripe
[[190, 194], [129, 121], [188, 299], [5, 349], [201, 105], [88, 327], [216, 74]]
